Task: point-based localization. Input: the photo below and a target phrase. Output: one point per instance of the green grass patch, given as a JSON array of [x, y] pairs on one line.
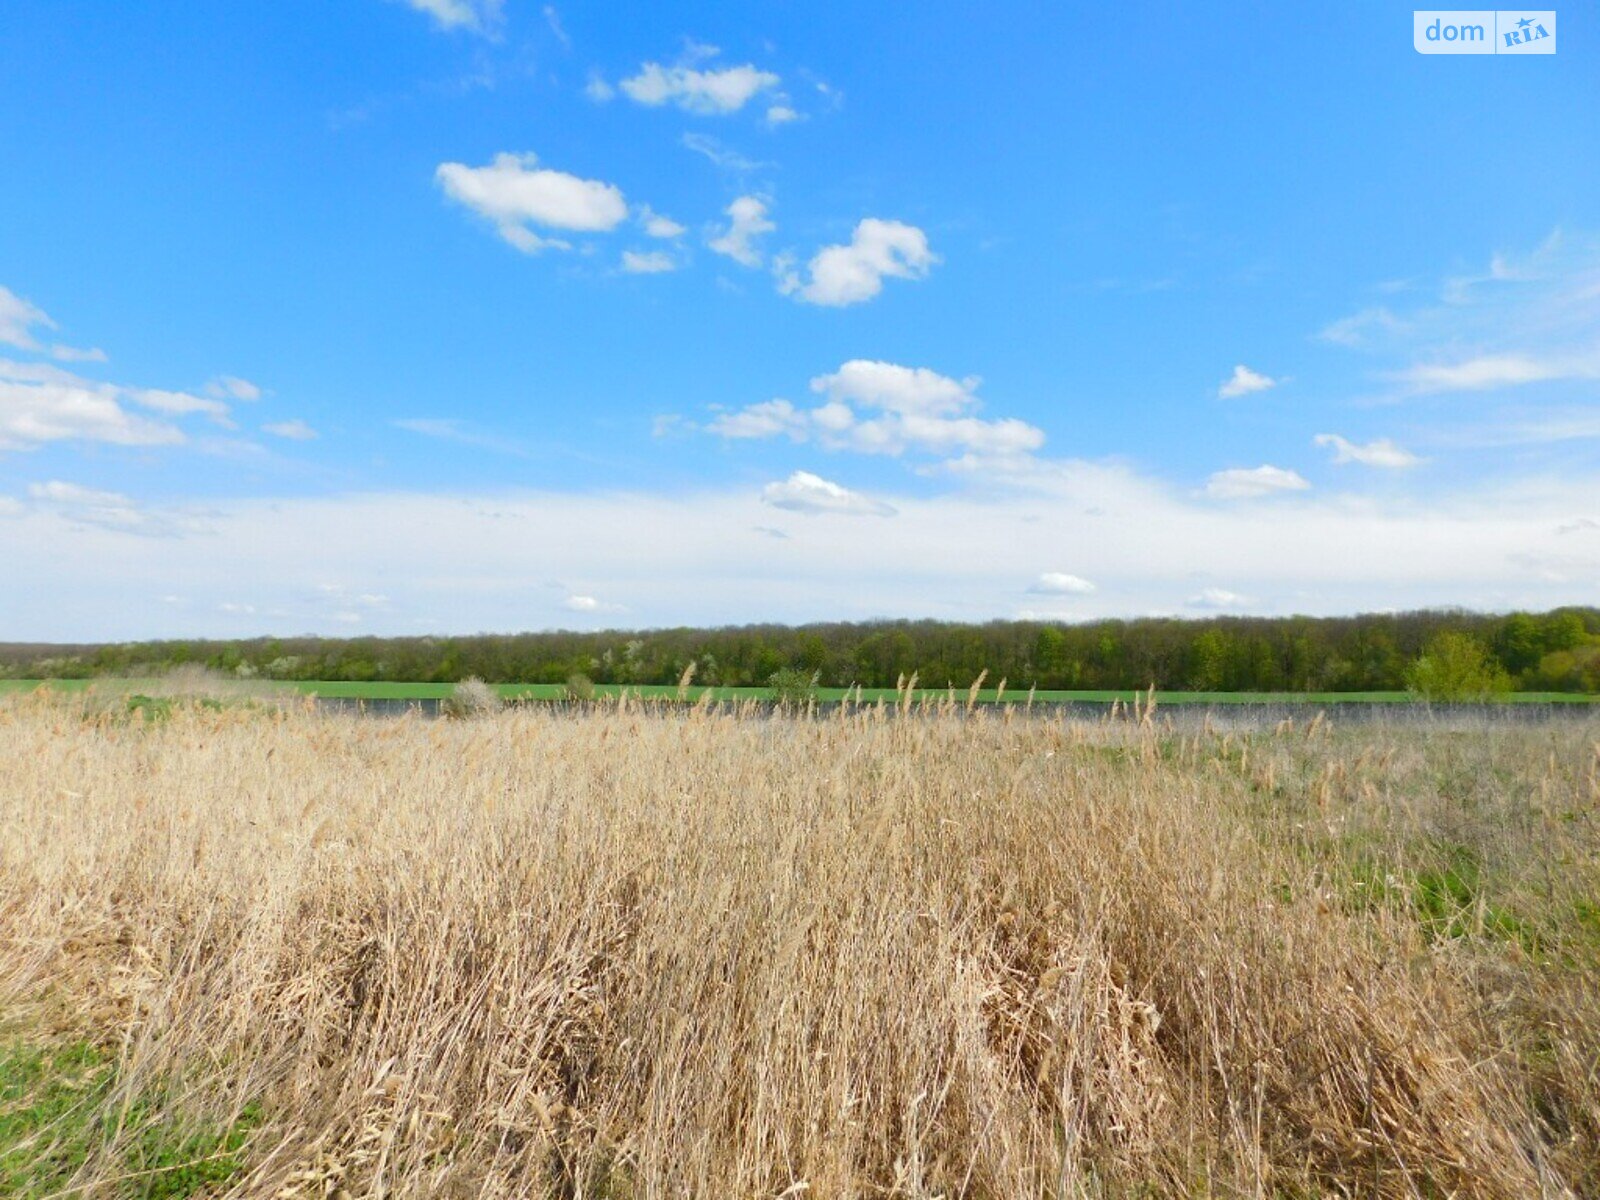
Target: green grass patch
[[58, 1114]]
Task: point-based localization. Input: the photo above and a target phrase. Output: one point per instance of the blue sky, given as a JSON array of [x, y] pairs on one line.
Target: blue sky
[[408, 316]]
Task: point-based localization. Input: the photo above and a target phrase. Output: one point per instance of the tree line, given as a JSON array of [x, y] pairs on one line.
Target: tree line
[[1553, 651]]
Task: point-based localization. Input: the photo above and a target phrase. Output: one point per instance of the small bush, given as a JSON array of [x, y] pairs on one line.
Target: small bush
[[1456, 666], [580, 687], [471, 698], [792, 688]]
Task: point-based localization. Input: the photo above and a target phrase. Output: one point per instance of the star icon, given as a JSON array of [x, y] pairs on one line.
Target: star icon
[[1524, 23]]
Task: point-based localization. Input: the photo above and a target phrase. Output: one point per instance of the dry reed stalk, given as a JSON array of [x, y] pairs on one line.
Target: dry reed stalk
[[646, 952]]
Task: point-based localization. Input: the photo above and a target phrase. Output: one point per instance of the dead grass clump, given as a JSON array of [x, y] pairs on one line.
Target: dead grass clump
[[670, 952]]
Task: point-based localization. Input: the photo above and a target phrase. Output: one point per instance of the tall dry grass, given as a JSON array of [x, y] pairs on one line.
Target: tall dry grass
[[651, 953]]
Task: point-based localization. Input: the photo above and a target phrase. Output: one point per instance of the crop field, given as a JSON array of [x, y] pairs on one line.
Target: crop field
[[667, 951]]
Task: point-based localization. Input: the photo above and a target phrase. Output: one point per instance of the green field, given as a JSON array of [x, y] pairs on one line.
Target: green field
[[357, 690]]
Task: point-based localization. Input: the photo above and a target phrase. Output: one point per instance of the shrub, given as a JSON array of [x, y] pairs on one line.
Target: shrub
[[580, 687], [1456, 666], [471, 698], [793, 688]]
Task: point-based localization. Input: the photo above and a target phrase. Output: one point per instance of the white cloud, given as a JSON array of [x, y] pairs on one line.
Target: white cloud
[[1378, 453], [911, 390], [719, 154], [770, 418], [659, 226], [86, 507], [1243, 381], [850, 274], [807, 493], [476, 16], [1245, 483], [468, 557], [180, 404], [1488, 372], [747, 222], [597, 89], [1060, 584], [41, 404], [231, 387], [295, 430], [915, 409], [92, 354], [514, 193], [781, 114], [18, 319], [708, 92], [553, 19], [1218, 599], [651, 262], [590, 604], [1359, 328], [451, 429]]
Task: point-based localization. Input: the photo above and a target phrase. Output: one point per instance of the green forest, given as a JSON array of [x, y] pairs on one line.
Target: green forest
[[1554, 651]]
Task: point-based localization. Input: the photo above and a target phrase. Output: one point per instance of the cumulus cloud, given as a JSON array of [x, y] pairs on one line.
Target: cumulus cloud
[[1215, 599], [850, 274], [714, 91], [659, 226], [1058, 583], [597, 89], [1243, 381], [515, 193], [770, 418], [747, 221], [807, 493], [1378, 453], [295, 430], [1246, 483], [907, 408], [781, 114], [475, 16], [648, 262]]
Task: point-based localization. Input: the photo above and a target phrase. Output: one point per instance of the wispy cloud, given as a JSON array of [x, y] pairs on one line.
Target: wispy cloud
[[294, 430], [1378, 453], [473, 16], [449, 429]]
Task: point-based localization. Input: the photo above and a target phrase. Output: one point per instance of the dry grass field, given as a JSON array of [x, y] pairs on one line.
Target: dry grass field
[[667, 953]]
